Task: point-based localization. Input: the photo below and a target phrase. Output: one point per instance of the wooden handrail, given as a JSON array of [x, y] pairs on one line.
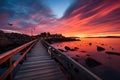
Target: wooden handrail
[[8, 57], [76, 70]]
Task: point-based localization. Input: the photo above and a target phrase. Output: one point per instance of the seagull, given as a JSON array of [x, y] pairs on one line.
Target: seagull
[[10, 24]]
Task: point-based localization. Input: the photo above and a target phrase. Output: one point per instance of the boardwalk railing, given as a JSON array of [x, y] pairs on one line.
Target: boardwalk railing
[[76, 70], [7, 58]]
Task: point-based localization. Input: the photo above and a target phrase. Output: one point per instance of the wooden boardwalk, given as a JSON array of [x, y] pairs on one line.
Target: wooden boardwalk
[[39, 66]]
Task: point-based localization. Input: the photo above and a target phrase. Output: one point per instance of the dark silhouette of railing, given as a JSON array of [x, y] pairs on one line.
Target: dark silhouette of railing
[[76, 70], [7, 58]]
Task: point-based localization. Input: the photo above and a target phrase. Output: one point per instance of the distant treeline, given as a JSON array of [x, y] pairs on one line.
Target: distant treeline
[[9, 41], [60, 39], [52, 38]]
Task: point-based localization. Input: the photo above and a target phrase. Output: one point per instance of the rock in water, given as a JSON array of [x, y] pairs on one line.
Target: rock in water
[[83, 51], [67, 48], [90, 62], [87, 54], [90, 44], [99, 48], [112, 53], [61, 50], [76, 48], [77, 56]]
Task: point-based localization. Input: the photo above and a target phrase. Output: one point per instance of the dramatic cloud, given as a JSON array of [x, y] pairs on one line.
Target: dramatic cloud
[[92, 18], [82, 18], [24, 14]]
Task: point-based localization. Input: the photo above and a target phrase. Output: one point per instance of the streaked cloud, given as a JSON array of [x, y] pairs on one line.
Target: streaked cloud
[[82, 18]]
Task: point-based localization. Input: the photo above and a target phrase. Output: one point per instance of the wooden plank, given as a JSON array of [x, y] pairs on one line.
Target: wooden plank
[[47, 76], [35, 69], [37, 72], [36, 62], [38, 59], [39, 65]]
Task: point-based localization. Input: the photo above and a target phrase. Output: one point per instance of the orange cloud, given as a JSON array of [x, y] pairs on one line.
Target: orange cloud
[[84, 18], [104, 21]]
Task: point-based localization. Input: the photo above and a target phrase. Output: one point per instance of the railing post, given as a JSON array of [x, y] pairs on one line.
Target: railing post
[[76, 70], [25, 57], [7, 60], [10, 65]]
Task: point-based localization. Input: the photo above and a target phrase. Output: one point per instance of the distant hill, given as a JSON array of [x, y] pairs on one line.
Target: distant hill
[[112, 36], [105, 37], [9, 41]]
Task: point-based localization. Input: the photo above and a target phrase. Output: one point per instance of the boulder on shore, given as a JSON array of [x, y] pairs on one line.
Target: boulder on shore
[[77, 56], [90, 62], [61, 50], [67, 48], [99, 48], [76, 48], [112, 53], [83, 51], [90, 44]]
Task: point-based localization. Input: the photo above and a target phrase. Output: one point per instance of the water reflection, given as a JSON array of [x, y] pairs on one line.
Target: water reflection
[[100, 55]]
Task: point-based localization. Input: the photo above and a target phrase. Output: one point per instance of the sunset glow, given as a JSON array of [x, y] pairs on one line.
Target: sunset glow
[[82, 18]]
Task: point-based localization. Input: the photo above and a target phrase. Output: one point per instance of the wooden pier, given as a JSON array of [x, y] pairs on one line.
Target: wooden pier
[[40, 64]]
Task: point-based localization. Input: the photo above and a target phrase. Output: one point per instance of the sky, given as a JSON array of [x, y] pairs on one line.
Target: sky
[[82, 18]]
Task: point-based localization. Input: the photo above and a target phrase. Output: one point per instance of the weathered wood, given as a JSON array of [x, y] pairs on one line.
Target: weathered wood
[[7, 57], [76, 70], [9, 54], [39, 66]]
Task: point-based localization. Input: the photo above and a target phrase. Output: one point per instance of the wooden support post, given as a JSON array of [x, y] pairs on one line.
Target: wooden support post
[[7, 60], [25, 57], [10, 65]]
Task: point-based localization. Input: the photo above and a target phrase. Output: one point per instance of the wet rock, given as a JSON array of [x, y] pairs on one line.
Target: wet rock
[[99, 48], [111, 48], [77, 56], [76, 48], [90, 62], [102, 44], [90, 44], [61, 50], [72, 49], [67, 48], [112, 53], [87, 54]]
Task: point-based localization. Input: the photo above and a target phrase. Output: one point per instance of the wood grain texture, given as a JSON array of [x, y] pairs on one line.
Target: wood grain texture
[[39, 66]]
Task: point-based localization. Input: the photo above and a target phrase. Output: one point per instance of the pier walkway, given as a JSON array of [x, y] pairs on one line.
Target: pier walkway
[[39, 66], [42, 62]]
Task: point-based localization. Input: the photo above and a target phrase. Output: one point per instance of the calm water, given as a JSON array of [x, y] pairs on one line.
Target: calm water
[[110, 64]]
